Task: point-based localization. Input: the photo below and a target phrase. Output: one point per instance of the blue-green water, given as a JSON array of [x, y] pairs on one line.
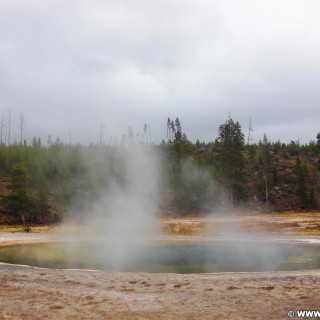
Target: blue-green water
[[199, 257]]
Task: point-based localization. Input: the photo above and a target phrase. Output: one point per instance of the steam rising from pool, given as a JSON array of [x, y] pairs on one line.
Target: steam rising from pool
[[121, 224], [124, 216]]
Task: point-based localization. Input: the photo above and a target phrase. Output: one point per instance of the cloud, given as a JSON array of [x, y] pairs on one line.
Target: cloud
[[72, 65]]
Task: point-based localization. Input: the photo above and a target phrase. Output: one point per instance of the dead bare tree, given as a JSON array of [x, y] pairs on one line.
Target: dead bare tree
[[22, 121], [2, 128], [9, 125]]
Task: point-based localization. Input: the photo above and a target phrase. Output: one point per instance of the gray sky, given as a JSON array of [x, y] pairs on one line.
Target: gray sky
[[68, 65]]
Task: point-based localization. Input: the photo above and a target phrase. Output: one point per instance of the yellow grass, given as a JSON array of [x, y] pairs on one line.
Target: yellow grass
[[19, 228]]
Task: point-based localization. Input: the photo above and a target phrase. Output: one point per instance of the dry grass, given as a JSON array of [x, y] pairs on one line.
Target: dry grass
[[40, 228], [11, 228], [290, 222], [308, 232], [189, 225], [294, 214], [183, 229], [268, 226], [19, 228]]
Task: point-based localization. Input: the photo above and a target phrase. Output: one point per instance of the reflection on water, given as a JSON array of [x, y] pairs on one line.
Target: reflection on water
[[220, 256]]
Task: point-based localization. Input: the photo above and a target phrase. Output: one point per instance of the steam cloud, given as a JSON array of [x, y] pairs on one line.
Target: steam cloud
[[121, 223], [123, 217]]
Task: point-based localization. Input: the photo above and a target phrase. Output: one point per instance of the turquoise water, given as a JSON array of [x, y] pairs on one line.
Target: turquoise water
[[220, 256]]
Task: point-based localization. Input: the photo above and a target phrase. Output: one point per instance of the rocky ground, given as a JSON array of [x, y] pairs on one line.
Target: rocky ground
[[33, 293]]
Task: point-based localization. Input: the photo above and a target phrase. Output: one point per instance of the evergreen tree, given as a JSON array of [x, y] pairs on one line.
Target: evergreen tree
[[178, 138], [170, 130], [230, 161], [19, 200], [266, 157], [318, 145], [130, 135], [49, 141], [34, 142], [181, 144], [43, 194]]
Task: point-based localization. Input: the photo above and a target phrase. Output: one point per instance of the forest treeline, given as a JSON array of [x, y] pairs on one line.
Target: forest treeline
[[40, 183]]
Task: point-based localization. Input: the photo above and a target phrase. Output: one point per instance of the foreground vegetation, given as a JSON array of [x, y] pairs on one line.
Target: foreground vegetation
[[40, 183]]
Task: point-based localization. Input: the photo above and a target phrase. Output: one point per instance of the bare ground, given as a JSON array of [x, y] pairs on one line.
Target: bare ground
[[33, 293]]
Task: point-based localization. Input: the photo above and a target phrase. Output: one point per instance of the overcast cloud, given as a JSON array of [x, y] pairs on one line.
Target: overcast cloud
[[69, 66]]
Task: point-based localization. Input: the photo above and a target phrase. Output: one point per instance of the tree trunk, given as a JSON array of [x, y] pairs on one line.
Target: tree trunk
[[23, 219]]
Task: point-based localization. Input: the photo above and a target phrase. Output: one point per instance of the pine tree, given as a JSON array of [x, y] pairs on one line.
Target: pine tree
[[302, 188], [266, 155], [230, 161], [19, 200], [43, 194], [34, 142]]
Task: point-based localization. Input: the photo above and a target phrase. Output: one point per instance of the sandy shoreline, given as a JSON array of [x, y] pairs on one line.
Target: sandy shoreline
[[36, 293]]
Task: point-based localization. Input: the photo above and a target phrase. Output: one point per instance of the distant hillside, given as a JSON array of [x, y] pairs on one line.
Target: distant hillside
[[290, 186], [193, 178]]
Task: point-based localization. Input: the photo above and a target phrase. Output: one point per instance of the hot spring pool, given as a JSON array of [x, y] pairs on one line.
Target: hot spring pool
[[174, 257]]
